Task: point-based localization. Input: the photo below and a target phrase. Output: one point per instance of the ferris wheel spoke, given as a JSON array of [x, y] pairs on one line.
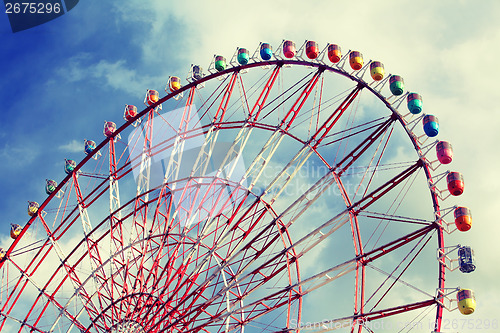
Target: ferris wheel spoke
[[376, 194], [422, 245], [171, 172], [261, 100], [115, 224], [330, 275], [272, 264], [35, 271], [202, 161], [174, 163], [140, 217], [323, 131], [234, 153], [319, 280], [342, 166], [190, 280], [286, 175], [358, 320], [203, 286], [190, 252], [262, 160], [315, 191], [94, 255], [160, 227], [43, 293]]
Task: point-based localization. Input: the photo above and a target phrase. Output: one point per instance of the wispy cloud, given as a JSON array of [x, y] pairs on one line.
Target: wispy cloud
[[73, 146], [117, 75], [15, 156]]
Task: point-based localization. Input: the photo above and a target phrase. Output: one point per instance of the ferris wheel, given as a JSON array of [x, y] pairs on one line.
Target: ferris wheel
[[294, 190]]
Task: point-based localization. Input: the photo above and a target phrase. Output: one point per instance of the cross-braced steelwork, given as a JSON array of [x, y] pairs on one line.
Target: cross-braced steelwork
[[277, 195]]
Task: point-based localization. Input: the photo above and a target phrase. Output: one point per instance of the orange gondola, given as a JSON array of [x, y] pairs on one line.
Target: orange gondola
[[152, 96], [15, 230], [463, 218], [334, 53], [356, 60]]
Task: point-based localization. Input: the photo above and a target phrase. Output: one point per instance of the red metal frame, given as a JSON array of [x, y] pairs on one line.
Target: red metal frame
[[183, 311]]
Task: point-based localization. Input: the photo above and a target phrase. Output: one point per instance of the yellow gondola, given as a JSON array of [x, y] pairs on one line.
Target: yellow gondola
[[466, 301], [33, 208]]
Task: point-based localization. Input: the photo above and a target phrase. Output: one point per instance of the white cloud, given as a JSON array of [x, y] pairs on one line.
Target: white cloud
[[117, 75], [73, 146], [16, 156]]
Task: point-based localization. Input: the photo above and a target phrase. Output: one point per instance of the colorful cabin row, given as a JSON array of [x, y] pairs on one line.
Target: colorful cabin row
[[69, 166], [33, 208], [444, 152], [50, 186], [466, 260], [431, 125], [220, 63], [396, 85], [377, 70], [266, 51], [243, 56], [109, 128], [414, 101], [289, 49], [334, 53], [130, 112], [174, 83], [466, 301], [455, 182], [312, 50], [463, 218], [89, 146], [356, 60], [152, 96], [15, 230]]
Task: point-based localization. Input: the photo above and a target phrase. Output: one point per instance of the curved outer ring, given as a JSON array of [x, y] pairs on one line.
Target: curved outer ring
[[278, 62]]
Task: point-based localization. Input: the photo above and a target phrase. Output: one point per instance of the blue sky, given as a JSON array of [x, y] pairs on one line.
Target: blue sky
[[61, 80]]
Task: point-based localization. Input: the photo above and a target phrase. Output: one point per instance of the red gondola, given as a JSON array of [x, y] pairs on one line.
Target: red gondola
[[109, 128], [455, 182], [444, 152], [312, 50], [130, 112], [289, 49]]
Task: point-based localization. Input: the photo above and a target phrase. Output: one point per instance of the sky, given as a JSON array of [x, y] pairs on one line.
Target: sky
[[59, 81]]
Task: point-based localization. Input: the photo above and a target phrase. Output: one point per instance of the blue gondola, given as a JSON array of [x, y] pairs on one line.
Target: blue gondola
[[89, 146], [431, 125], [466, 260], [266, 51]]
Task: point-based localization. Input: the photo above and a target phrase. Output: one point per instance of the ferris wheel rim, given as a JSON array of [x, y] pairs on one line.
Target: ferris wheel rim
[[278, 63]]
